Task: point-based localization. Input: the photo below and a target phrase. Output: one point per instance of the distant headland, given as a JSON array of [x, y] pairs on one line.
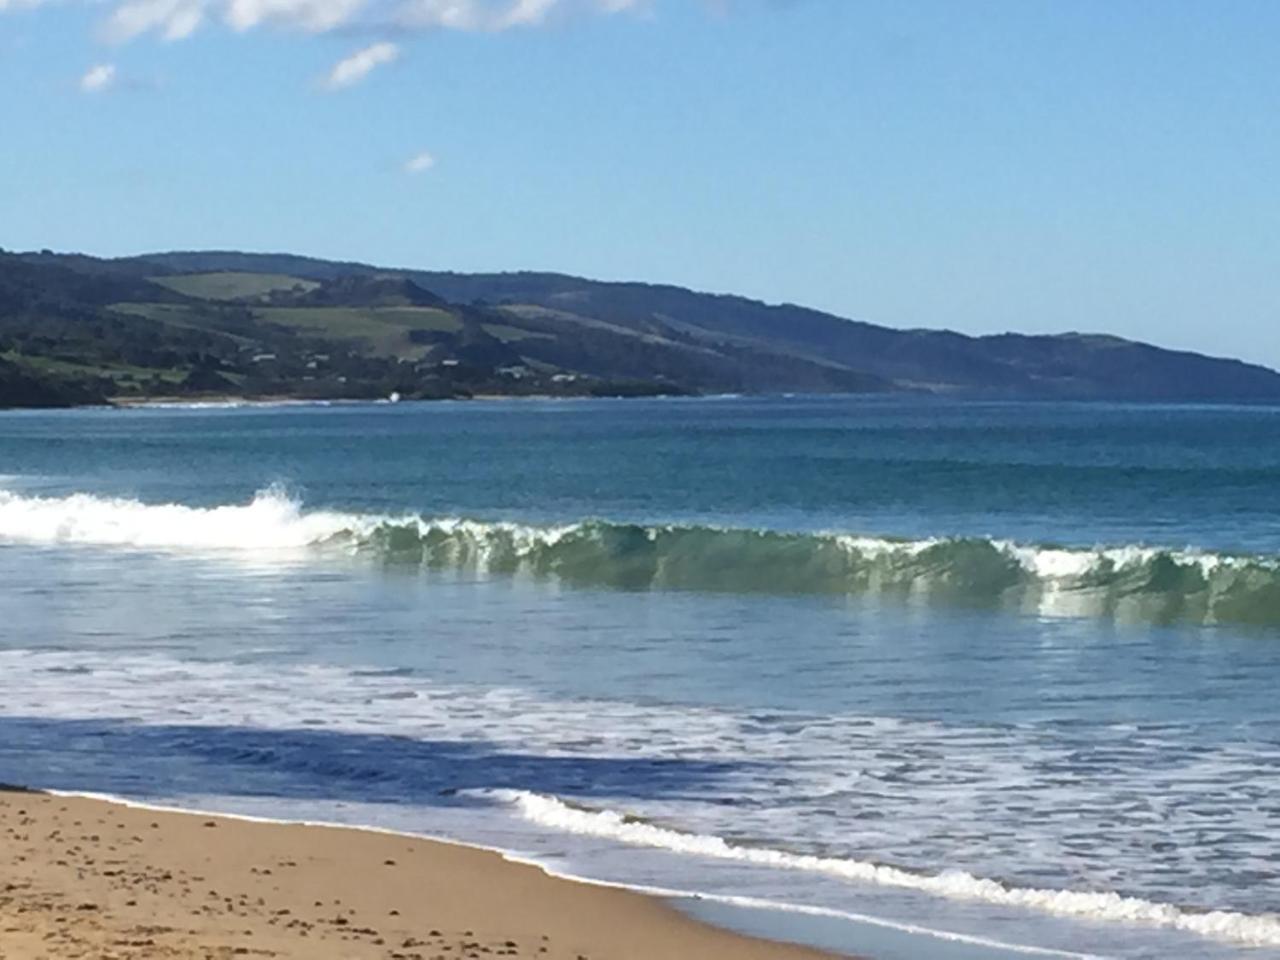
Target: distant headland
[[81, 330]]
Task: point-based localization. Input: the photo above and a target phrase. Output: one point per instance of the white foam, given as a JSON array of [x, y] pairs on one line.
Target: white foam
[[875, 548], [270, 521], [234, 403], [1261, 930], [1052, 564], [750, 903], [962, 781]]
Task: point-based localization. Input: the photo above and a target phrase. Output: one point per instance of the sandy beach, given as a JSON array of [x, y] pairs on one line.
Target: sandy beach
[[89, 878]]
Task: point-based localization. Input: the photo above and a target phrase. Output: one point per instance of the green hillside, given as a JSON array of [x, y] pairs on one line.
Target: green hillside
[[79, 328], [231, 285]]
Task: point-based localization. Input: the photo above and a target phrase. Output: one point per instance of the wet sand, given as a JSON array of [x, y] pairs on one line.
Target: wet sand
[[83, 878]]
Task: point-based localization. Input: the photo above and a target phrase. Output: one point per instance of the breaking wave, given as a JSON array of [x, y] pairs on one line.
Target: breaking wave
[[1138, 583], [1250, 930]]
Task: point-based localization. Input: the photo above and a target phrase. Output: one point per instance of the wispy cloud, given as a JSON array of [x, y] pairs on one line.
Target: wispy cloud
[[313, 16], [178, 19], [351, 70], [419, 163], [496, 15], [98, 78], [172, 19]]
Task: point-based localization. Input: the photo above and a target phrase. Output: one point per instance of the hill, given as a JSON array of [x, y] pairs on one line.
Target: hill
[[1069, 365], [281, 325]]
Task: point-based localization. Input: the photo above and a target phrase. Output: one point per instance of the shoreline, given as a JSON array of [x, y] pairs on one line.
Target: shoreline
[[86, 874], [235, 400], [227, 401]]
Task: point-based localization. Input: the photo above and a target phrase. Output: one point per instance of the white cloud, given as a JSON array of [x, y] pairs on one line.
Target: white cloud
[[496, 15], [528, 12], [98, 78], [313, 16], [419, 163], [179, 19], [172, 19], [351, 70]]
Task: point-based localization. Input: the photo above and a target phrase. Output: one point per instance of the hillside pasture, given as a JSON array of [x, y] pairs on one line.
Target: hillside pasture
[[380, 330], [231, 285]]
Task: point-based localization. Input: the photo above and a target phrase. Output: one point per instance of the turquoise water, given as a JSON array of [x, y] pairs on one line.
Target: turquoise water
[[1002, 671]]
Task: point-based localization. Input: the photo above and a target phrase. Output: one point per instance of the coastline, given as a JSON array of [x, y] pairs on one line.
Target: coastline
[[90, 876], [223, 400], [237, 400]]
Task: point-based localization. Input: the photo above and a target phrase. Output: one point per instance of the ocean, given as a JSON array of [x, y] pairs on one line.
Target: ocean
[[901, 676]]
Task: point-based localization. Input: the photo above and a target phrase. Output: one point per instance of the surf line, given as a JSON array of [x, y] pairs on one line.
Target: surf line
[[666, 893]]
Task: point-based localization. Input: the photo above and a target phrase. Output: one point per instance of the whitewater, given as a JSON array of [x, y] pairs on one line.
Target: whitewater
[[156, 691], [1260, 931]]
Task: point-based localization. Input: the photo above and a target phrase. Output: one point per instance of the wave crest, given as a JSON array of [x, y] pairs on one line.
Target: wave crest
[[1124, 583]]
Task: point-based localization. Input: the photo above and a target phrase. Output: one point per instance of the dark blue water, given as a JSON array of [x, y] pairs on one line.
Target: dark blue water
[[1006, 671]]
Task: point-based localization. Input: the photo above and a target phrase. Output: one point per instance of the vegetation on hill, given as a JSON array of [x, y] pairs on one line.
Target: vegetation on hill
[[230, 285], [75, 329]]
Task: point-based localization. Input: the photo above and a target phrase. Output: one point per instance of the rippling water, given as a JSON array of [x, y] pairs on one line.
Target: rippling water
[[1003, 671]]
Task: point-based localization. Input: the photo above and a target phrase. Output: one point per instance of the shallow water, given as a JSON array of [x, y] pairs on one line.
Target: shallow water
[[1005, 671]]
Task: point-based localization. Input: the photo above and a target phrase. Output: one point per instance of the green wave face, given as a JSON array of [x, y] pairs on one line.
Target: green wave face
[[1127, 583], [1124, 584]]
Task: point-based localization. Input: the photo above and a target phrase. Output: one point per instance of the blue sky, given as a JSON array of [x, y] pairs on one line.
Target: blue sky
[[983, 165]]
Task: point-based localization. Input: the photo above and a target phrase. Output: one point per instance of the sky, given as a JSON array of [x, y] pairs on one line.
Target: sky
[[980, 165]]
